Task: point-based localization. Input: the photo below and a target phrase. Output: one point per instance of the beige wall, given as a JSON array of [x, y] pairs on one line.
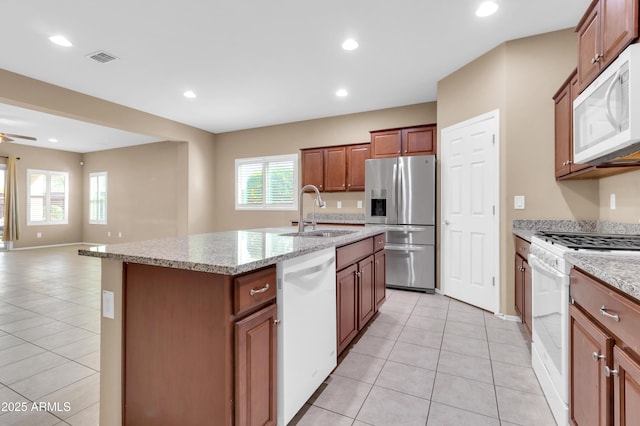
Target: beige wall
[[196, 204], [52, 160], [627, 189], [144, 190], [520, 78], [289, 139]]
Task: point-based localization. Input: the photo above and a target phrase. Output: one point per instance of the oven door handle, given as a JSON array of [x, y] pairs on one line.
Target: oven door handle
[[536, 262]]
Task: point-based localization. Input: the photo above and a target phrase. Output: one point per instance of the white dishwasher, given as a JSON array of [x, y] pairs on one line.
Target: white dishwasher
[[307, 332]]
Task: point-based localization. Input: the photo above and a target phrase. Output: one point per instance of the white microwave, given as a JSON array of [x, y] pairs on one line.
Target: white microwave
[[606, 115]]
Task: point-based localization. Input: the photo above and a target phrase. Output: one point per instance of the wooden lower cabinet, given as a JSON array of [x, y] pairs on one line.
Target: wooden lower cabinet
[[347, 306], [604, 364], [522, 283], [380, 277], [589, 389], [196, 350], [360, 287], [366, 292], [626, 379], [256, 366]]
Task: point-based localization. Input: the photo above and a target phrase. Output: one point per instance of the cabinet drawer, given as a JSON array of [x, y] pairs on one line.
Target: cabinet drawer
[[378, 242], [254, 289], [346, 255], [593, 295], [522, 247]]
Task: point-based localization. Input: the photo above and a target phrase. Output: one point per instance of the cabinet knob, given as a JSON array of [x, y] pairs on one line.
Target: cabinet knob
[[609, 372], [349, 185], [597, 357], [343, 184], [521, 269], [596, 58], [276, 322], [398, 152]]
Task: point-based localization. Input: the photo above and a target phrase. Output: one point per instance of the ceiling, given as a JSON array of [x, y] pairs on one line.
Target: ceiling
[[254, 63]]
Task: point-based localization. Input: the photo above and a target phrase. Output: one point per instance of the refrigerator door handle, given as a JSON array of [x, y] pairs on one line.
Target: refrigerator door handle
[[400, 189]]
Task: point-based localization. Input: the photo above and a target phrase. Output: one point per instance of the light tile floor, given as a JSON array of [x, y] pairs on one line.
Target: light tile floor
[[49, 337], [431, 360], [424, 360]]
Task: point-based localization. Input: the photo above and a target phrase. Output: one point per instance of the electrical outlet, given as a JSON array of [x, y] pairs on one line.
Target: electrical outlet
[[359, 204], [108, 233], [339, 204], [108, 304], [518, 202], [38, 234], [119, 234], [612, 201]]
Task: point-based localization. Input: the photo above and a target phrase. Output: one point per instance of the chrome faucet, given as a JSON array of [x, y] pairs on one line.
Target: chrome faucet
[[318, 200]]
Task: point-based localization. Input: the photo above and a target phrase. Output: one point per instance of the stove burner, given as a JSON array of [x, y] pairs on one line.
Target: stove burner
[[577, 240]]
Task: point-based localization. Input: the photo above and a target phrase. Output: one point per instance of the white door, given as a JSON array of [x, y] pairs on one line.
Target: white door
[[469, 159]]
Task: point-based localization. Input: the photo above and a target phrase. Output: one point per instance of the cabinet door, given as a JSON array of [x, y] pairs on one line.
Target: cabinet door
[[619, 26], [313, 168], [519, 287], [419, 141], [563, 130], [346, 306], [255, 372], [386, 144], [527, 293], [366, 292], [380, 278], [590, 350], [626, 406], [335, 169], [589, 47], [356, 156]]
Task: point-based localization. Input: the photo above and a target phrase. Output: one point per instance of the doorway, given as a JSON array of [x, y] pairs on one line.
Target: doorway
[[469, 232], [3, 171]]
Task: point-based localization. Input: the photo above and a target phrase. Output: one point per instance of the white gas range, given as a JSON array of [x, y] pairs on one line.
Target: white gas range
[[550, 306]]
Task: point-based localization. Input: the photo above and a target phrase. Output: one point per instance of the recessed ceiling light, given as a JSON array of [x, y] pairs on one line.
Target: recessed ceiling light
[[60, 40], [189, 94], [342, 93], [53, 140], [350, 44], [486, 8]]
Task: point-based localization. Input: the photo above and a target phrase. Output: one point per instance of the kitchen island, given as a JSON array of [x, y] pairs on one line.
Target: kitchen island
[[170, 354]]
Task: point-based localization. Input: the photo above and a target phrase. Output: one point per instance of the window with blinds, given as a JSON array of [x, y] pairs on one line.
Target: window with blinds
[[47, 197], [98, 198], [267, 183]]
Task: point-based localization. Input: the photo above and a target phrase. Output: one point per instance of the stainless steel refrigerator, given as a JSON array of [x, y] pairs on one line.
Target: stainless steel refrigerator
[[401, 193]]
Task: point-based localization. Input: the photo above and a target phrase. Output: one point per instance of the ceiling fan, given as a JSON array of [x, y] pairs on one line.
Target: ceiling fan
[[8, 137]]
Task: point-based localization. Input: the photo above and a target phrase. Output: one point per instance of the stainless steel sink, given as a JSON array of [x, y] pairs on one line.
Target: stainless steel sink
[[326, 233]]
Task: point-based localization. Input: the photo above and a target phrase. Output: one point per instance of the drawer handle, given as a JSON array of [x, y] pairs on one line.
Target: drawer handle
[[597, 357], [603, 311], [609, 372], [253, 292]]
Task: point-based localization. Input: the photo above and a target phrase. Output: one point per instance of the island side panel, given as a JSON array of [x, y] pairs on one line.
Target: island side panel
[[111, 348], [178, 356]]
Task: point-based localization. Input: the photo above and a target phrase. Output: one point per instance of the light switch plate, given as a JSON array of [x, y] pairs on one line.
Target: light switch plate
[[359, 204], [518, 202], [108, 308], [339, 204], [612, 201]]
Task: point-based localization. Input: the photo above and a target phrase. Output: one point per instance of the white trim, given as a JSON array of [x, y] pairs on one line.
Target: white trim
[[264, 160], [47, 197], [495, 115], [55, 245], [513, 318], [106, 200]]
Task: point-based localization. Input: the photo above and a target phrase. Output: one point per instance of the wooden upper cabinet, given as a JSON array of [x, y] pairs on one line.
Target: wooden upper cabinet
[[356, 156], [565, 168], [335, 168], [386, 144], [589, 48], [604, 31], [418, 140], [313, 168]]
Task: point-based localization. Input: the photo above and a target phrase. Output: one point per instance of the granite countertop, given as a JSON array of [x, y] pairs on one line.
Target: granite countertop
[[337, 218], [227, 253], [618, 269]]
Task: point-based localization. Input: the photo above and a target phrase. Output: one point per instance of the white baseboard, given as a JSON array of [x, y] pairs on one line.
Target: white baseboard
[[514, 318], [51, 246]]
